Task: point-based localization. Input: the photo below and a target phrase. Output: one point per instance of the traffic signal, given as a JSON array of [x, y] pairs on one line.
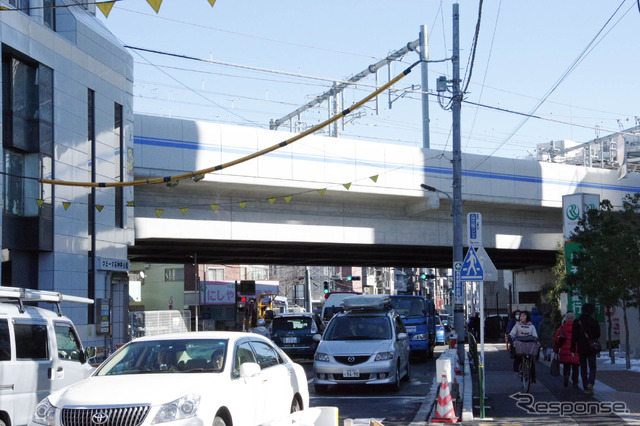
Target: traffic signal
[[353, 278], [423, 276], [326, 287]]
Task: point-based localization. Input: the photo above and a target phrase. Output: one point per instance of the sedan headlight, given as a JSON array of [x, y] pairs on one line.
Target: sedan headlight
[[420, 337], [384, 356], [45, 413], [321, 357], [182, 408]]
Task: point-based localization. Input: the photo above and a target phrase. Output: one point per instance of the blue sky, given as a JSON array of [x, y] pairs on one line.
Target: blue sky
[[285, 52]]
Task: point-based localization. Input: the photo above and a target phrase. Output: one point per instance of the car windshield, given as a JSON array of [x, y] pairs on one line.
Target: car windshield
[[291, 324], [167, 356], [359, 328], [409, 307]]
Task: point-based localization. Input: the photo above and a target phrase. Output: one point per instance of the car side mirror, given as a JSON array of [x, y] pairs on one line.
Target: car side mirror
[[403, 336], [88, 353], [249, 369], [317, 338]]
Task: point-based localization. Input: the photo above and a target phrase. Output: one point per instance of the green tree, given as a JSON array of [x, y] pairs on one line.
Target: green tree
[[552, 291], [609, 259]]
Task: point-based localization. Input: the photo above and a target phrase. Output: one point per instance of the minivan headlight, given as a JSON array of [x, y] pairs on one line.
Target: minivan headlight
[[181, 408], [321, 357], [420, 337], [45, 413], [384, 356]]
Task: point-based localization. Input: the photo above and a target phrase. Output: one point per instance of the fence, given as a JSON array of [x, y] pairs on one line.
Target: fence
[[153, 323]]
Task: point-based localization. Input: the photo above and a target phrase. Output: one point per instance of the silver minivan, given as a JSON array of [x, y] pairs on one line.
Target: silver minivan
[[367, 344]]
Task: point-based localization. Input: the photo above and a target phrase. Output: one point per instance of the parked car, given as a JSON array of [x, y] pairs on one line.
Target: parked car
[[367, 344], [208, 378], [293, 333], [441, 335]]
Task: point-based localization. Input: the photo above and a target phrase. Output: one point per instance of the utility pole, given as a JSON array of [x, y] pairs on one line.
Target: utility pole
[[424, 86], [458, 309]]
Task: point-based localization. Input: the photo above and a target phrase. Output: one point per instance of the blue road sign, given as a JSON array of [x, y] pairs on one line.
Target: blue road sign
[[472, 267]]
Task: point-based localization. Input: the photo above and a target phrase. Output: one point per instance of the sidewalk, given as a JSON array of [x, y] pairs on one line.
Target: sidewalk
[[616, 399]]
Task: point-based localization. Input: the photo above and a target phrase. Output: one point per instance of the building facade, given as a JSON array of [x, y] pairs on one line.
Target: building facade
[[67, 115]]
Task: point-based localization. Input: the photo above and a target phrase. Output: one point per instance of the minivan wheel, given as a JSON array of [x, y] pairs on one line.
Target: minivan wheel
[[396, 384], [407, 376]]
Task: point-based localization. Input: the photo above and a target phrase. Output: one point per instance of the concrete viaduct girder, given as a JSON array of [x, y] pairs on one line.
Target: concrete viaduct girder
[[292, 206]]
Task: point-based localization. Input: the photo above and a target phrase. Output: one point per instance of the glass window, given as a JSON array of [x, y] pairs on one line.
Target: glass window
[[5, 344], [31, 341], [243, 354], [266, 355], [215, 274], [22, 5], [49, 18], [174, 274], [68, 342]]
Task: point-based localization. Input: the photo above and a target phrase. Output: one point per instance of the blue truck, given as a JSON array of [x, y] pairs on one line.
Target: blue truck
[[419, 317]]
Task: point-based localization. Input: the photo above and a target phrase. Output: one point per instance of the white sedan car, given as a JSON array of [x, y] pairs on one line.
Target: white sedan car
[[204, 378]]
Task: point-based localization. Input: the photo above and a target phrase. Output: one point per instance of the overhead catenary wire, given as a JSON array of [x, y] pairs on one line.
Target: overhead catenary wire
[[239, 160], [562, 77]]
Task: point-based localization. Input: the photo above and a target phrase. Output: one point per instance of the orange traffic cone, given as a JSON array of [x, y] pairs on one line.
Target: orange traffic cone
[[445, 412]]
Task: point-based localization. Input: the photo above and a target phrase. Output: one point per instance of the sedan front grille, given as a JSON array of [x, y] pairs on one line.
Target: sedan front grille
[[352, 360], [108, 416]]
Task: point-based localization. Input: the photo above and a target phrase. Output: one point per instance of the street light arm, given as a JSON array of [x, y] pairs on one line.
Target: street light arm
[[432, 189]]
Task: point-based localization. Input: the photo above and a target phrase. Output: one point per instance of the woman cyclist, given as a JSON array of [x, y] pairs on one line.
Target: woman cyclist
[[524, 328]]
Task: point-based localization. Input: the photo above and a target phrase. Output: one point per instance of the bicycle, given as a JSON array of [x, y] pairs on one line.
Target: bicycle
[[526, 347], [525, 372]]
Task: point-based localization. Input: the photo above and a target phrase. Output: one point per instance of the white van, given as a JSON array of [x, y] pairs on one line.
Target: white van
[[40, 352], [333, 304]]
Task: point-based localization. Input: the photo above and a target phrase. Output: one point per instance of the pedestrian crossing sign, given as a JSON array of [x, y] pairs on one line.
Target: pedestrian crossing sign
[[472, 267]]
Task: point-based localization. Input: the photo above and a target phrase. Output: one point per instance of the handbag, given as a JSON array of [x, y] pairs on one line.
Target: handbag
[[555, 366], [594, 344], [562, 338]]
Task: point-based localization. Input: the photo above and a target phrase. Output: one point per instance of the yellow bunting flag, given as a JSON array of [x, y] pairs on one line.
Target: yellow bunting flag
[[40, 202], [288, 198], [322, 191], [159, 212], [214, 207], [131, 204], [155, 4], [66, 204], [347, 185], [105, 7], [374, 178], [184, 210], [242, 204], [212, 2], [99, 208], [272, 200]]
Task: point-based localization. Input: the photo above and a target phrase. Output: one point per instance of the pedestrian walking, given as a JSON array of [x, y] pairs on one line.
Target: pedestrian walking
[[536, 317], [546, 331], [261, 329], [562, 346], [583, 330]]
